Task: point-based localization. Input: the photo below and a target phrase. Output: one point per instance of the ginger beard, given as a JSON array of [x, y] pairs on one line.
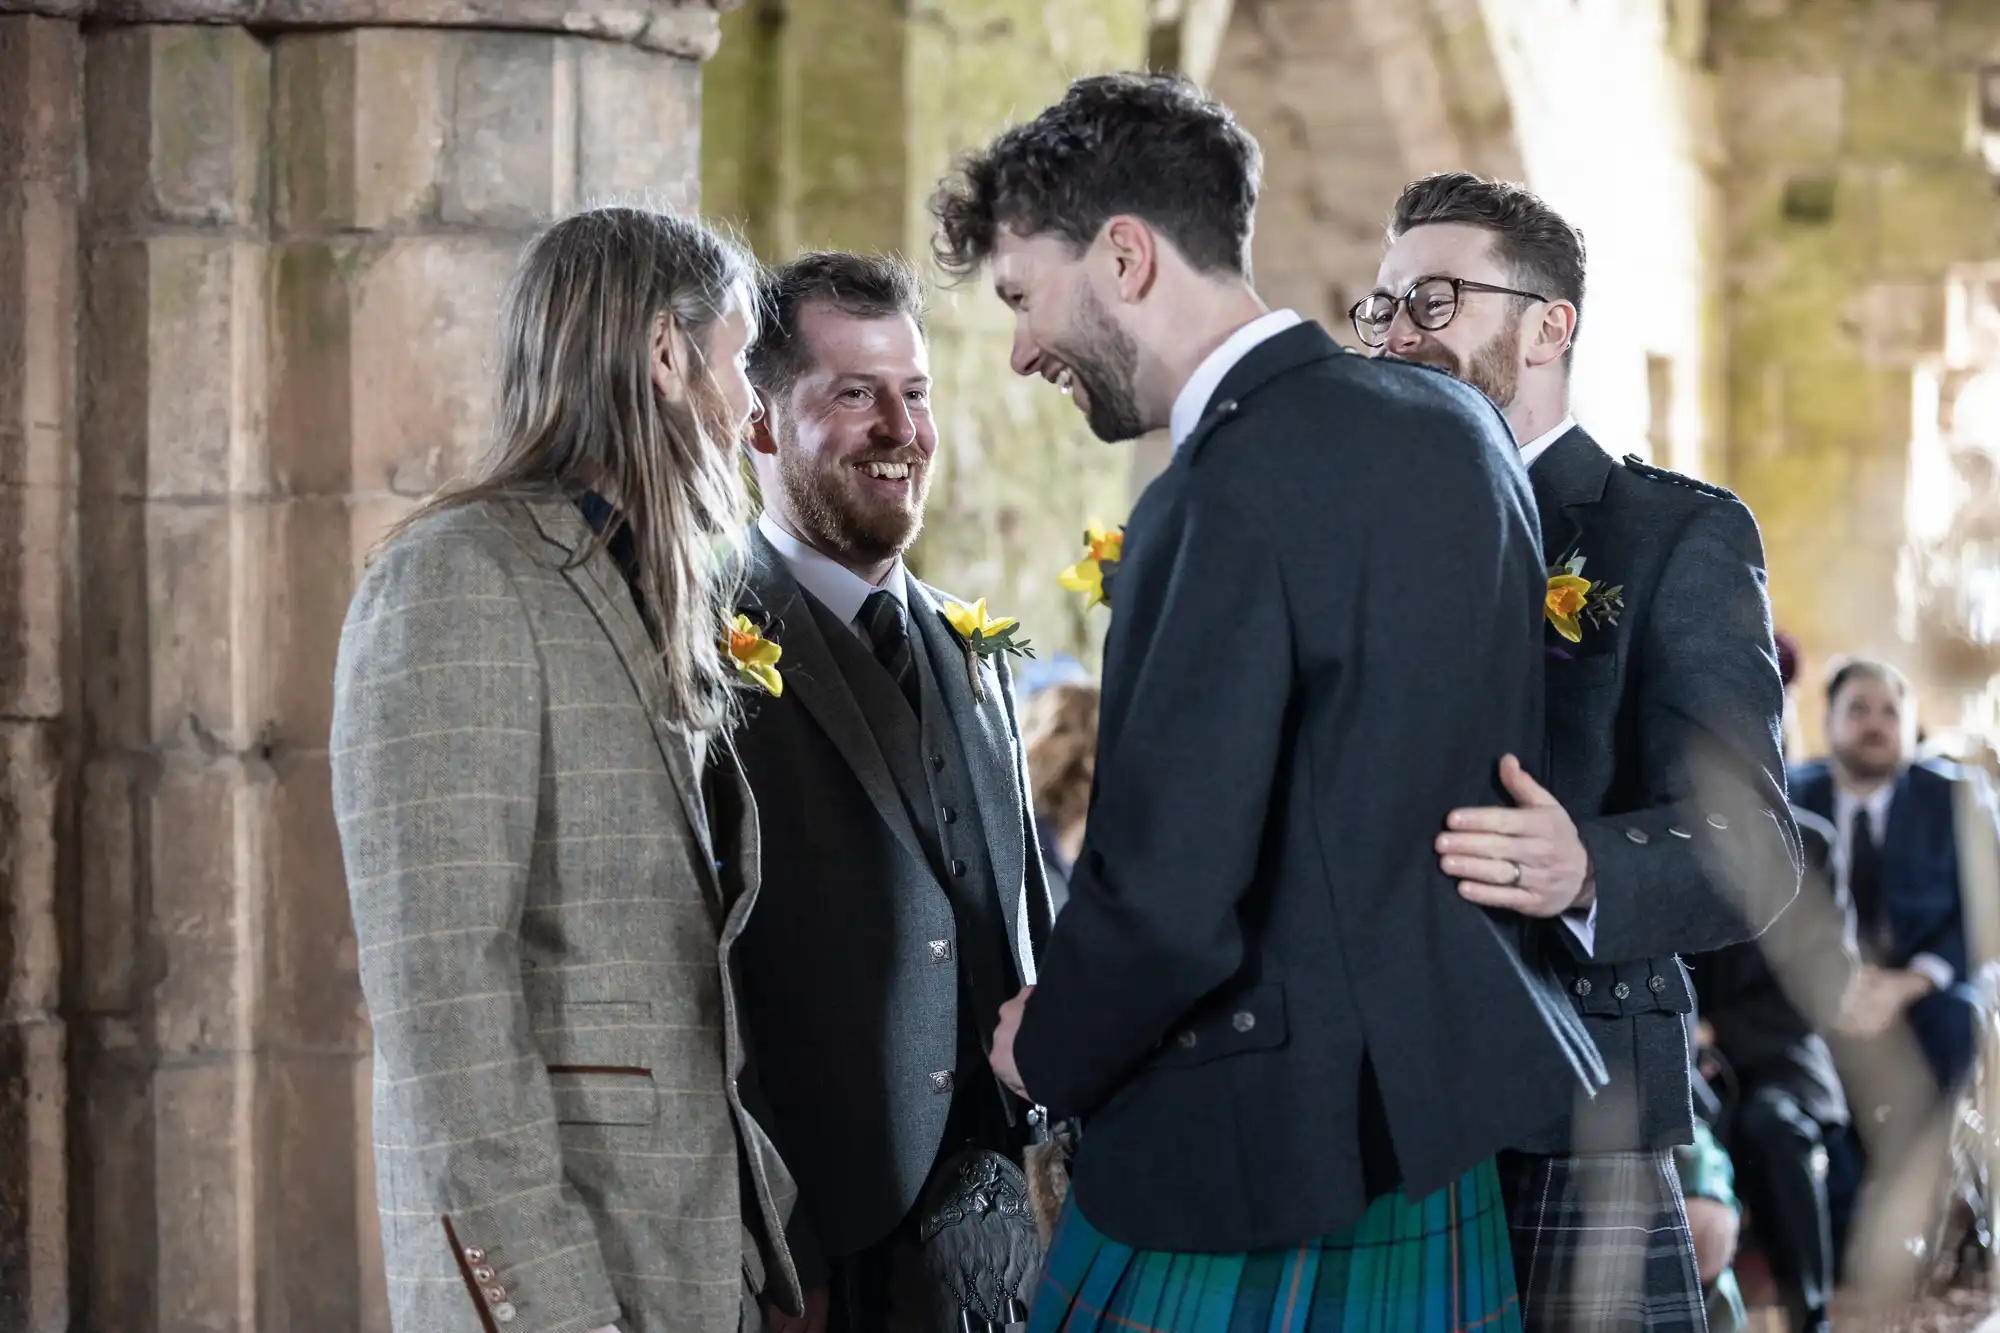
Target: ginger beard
[[1492, 369], [844, 507]]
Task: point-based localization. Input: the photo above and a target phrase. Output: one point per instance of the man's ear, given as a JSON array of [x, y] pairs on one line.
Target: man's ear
[[1553, 333], [762, 438], [667, 362], [1134, 250]]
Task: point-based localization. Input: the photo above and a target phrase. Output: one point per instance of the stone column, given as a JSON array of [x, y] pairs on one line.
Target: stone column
[[830, 124], [292, 249], [41, 69]]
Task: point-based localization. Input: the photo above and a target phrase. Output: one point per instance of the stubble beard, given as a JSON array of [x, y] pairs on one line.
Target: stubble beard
[[1104, 358]]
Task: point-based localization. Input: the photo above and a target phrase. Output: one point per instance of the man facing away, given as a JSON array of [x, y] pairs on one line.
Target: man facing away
[[1661, 827], [1294, 1046], [902, 883]]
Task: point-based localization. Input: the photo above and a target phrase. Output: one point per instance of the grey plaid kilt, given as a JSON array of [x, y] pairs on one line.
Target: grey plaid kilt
[[1601, 1243]]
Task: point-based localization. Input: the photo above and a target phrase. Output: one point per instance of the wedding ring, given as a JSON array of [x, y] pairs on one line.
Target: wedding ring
[[1515, 882]]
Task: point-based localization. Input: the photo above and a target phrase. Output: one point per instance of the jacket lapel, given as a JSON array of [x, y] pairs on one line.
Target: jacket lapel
[[987, 739], [1568, 479], [604, 589], [812, 674]]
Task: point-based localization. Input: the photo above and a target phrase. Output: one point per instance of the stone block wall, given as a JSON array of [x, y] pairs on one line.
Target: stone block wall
[[1853, 187], [249, 280]]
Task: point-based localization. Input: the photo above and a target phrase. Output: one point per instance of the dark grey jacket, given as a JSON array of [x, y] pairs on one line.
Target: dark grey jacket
[[898, 854], [1663, 745], [1264, 996]]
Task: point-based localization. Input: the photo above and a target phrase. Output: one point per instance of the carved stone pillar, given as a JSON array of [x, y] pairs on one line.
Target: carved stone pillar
[[271, 329]]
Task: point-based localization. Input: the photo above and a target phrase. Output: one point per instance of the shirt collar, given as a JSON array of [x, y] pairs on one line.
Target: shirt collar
[[1538, 446], [1877, 804], [1208, 376], [839, 589]]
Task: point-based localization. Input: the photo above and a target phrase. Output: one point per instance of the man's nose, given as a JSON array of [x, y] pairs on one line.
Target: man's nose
[[897, 424], [1403, 333], [1024, 356]]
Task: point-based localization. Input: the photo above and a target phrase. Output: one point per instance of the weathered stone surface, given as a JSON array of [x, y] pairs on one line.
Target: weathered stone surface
[[203, 667], [205, 1191], [500, 168], [34, 1203], [207, 874], [107, 915], [41, 68], [638, 127], [418, 420], [312, 987], [30, 801], [177, 118], [117, 1151], [309, 559], [309, 1213], [35, 588], [175, 368], [674, 27]]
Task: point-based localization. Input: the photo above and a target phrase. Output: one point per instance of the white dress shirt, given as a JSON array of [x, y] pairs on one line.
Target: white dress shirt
[[839, 589], [1582, 924], [1876, 803], [1538, 446], [1193, 398]]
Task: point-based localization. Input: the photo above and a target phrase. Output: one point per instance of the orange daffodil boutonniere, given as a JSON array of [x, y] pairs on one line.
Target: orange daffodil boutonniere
[[983, 636], [755, 657], [1101, 548], [1573, 600]]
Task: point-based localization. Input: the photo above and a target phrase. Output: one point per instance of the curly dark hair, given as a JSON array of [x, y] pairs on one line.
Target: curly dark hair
[[1148, 145], [1530, 239], [864, 286]]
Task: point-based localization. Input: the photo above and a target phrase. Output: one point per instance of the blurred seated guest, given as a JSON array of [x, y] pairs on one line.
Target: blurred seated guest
[[1714, 1220], [1898, 867], [1059, 729], [1896, 862], [1763, 1004]]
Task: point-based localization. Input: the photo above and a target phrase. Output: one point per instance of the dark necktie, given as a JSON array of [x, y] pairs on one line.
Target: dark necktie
[[888, 630], [1864, 876]]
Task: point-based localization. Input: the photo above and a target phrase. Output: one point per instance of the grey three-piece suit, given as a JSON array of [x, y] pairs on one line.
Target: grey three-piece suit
[[901, 881], [546, 928]]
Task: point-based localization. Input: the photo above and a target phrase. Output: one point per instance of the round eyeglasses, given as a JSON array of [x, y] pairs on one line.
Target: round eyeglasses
[[1432, 302]]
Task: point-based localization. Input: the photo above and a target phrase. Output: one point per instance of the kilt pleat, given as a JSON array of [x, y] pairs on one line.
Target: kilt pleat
[[1441, 1264]]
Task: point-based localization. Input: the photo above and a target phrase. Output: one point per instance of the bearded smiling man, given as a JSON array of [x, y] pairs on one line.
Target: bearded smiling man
[[1293, 1045], [903, 887], [1662, 828]]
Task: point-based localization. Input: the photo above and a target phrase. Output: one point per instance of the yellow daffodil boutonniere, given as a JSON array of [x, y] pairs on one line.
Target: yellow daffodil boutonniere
[[983, 636], [1101, 549], [1573, 600], [755, 656]]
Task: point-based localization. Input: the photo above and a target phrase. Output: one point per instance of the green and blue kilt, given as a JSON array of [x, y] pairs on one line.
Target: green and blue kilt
[[1439, 1265]]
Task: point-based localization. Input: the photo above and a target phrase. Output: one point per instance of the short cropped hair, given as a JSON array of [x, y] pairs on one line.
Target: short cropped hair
[[1842, 671], [1149, 145], [1531, 240], [864, 286]]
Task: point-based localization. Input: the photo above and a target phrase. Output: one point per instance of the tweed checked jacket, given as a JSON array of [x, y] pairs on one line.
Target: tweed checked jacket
[[546, 933]]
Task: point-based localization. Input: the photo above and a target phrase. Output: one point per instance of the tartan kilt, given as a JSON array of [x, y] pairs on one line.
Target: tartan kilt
[[1439, 1265], [1601, 1243]]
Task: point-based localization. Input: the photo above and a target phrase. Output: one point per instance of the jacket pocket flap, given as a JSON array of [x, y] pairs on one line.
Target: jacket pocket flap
[[603, 1095], [1249, 1020]]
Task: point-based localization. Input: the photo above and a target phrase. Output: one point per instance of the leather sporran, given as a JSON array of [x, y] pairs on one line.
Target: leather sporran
[[980, 1249]]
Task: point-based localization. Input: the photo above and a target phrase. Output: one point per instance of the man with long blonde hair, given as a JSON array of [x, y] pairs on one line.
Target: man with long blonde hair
[[545, 893]]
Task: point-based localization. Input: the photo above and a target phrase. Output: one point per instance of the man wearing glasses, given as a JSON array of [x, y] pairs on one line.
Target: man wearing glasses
[[1663, 829]]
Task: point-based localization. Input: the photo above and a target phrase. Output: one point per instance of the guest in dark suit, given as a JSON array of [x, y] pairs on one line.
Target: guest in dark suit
[[1660, 827], [1897, 828], [1764, 1004], [1896, 825], [903, 892], [1294, 1047]]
